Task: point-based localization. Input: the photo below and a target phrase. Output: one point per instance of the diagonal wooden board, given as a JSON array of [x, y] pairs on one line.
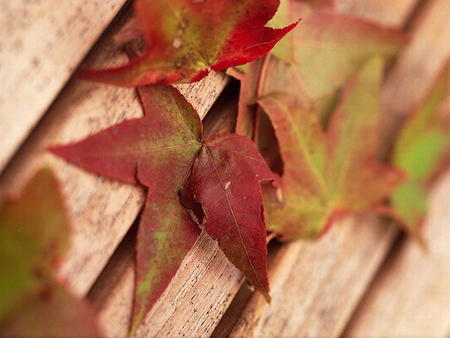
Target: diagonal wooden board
[[42, 42], [410, 296]]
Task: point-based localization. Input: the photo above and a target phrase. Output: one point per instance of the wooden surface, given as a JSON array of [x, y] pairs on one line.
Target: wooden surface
[[42, 43], [358, 280]]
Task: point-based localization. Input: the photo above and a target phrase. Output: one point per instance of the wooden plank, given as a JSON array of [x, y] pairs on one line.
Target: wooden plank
[[42, 42], [322, 304], [314, 284], [389, 13], [102, 210], [410, 297], [190, 307]]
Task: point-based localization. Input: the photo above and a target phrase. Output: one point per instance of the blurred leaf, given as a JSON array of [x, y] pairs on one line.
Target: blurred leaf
[[33, 237]]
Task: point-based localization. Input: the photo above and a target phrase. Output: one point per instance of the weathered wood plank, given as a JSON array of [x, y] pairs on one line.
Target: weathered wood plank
[[190, 307], [389, 13], [41, 43], [314, 284], [410, 296]]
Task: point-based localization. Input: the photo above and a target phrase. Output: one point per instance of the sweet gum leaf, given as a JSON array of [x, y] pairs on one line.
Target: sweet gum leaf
[[192, 183], [420, 149], [34, 235], [186, 39], [333, 172], [35, 227], [329, 48], [226, 180]]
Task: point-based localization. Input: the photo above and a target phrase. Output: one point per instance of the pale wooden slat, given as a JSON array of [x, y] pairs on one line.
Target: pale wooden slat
[[190, 307], [316, 285], [389, 13], [411, 296], [41, 43]]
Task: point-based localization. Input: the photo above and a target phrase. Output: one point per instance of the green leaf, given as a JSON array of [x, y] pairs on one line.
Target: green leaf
[[333, 172], [33, 237], [420, 150]]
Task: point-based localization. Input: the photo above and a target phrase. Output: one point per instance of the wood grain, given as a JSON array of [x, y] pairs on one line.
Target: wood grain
[[389, 13], [190, 307], [315, 285], [41, 43]]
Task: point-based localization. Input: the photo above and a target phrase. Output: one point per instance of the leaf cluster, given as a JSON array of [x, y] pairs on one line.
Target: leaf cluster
[[305, 151]]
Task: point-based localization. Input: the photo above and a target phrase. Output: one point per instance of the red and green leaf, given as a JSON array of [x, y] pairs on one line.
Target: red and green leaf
[[329, 48], [186, 39], [33, 237], [217, 179], [333, 172]]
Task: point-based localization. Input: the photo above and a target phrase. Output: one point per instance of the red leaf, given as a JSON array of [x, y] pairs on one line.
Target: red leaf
[[187, 39], [225, 181], [218, 179]]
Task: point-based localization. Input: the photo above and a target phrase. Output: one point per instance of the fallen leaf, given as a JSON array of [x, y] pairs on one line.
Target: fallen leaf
[[216, 178], [420, 149], [34, 236], [186, 39], [328, 173], [329, 48]]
